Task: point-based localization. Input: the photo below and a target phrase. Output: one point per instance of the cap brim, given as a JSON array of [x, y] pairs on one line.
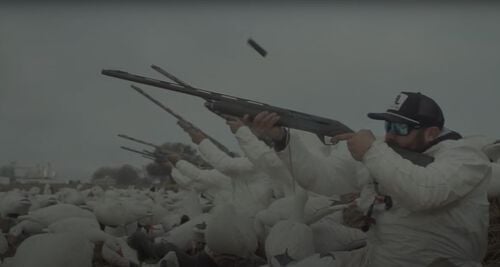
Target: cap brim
[[388, 117]]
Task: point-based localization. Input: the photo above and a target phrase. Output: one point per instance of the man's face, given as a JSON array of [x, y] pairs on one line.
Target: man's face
[[414, 140]]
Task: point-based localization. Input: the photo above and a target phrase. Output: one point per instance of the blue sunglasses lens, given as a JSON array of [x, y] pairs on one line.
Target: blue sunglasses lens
[[397, 128]]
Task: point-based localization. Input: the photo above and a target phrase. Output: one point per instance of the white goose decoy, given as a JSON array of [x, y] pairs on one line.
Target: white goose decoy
[[35, 190], [37, 221], [62, 249], [183, 235], [55, 213], [190, 204], [120, 213], [329, 236], [290, 207], [26, 227], [289, 241], [74, 224], [14, 203], [122, 230], [55, 250], [170, 221], [114, 257], [42, 201], [172, 196], [115, 251], [158, 213], [230, 232], [316, 260], [71, 196], [92, 194]]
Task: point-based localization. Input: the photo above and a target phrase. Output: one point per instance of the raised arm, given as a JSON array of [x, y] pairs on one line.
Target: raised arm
[[263, 157], [336, 174], [217, 158], [207, 178], [222, 162]]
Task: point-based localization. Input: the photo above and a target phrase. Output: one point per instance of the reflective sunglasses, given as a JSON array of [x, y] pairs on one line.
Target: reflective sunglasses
[[399, 128]]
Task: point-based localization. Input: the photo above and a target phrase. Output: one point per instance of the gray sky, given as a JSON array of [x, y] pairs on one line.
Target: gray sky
[[334, 60]]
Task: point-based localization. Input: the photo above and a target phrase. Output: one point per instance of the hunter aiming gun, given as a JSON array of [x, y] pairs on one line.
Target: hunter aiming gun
[[235, 106], [160, 154], [159, 151], [138, 141], [183, 122], [145, 154]]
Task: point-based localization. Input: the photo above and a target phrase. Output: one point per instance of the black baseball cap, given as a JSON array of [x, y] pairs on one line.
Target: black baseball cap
[[414, 109]]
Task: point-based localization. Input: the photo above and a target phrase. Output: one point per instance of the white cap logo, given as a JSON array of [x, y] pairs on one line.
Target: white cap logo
[[399, 101]]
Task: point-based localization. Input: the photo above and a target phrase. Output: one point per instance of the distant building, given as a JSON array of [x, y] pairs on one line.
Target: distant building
[[39, 181], [39, 171]]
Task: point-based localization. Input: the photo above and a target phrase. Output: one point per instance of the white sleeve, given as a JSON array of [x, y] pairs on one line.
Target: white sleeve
[[182, 180], [457, 170], [221, 161], [265, 158], [336, 174], [208, 178]]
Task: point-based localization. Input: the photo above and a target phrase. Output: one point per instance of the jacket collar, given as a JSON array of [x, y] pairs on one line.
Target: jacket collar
[[445, 135]]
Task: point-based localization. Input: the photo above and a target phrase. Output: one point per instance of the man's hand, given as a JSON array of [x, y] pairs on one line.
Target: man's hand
[[196, 135], [235, 123], [173, 158], [264, 125], [357, 143]]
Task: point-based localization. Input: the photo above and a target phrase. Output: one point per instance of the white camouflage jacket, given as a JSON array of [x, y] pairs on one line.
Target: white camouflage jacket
[[439, 211]]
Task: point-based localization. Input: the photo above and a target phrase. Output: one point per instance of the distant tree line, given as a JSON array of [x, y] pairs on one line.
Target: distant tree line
[[123, 175]]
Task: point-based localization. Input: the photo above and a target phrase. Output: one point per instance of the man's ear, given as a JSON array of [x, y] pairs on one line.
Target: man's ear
[[432, 133]]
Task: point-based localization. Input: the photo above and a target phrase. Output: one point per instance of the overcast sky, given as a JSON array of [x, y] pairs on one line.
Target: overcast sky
[[334, 60]]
